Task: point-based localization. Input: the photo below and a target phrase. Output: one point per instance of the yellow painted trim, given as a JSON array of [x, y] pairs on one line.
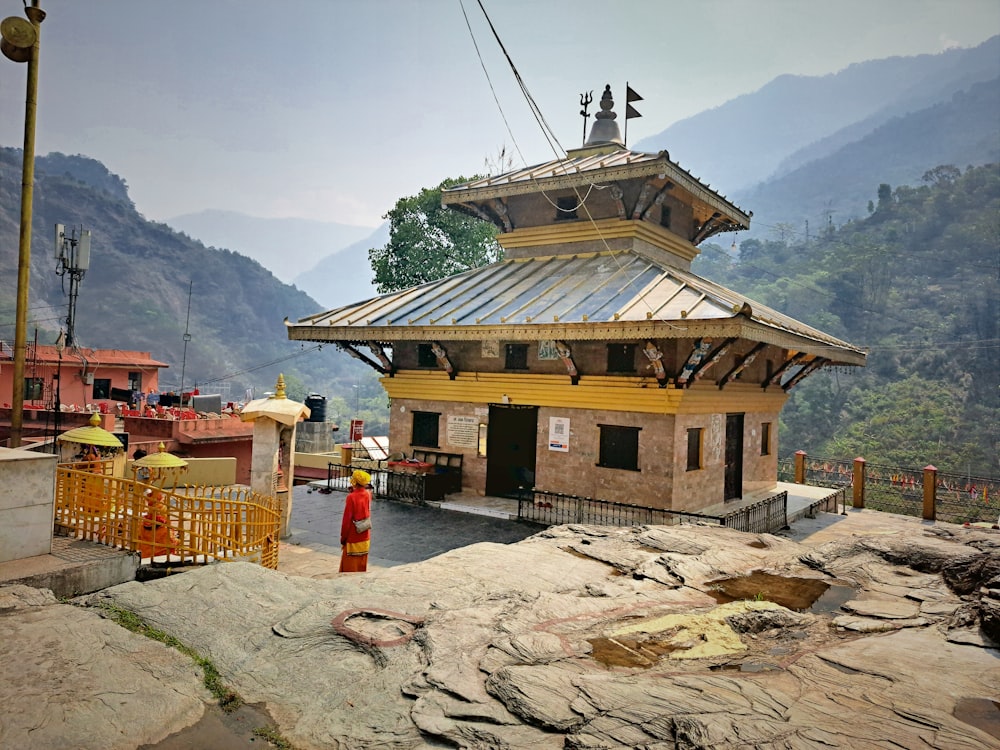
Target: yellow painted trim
[[605, 393], [600, 229]]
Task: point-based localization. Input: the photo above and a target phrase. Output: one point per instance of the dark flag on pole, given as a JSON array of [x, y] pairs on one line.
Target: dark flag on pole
[[631, 96], [630, 111]]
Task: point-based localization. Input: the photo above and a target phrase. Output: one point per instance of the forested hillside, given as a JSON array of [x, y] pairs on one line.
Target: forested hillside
[[917, 283], [135, 294]]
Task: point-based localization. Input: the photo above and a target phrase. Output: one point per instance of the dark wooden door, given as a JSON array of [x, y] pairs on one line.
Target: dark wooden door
[[734, 457], [510, 448]]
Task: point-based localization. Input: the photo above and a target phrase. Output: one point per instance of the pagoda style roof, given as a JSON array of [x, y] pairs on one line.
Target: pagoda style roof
[[611, 295], [604, 163]]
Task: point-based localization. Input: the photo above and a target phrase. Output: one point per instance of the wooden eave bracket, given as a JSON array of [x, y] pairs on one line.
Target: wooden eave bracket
[[349, 348], [741, 365], [441, 354], [712, 359], [495, 215], [807, 370], [706, 229], [698, 352], [379, 352], [655, 357], [566, 355], [776, 375]]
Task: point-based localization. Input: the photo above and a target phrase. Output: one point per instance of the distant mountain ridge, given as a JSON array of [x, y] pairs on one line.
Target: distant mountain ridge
[[777, 128], [135, 293], [961, 132], [344, 276], [287, 246]]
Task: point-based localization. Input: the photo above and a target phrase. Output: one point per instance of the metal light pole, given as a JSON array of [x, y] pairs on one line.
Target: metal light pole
[[21, 44], [60, 348]]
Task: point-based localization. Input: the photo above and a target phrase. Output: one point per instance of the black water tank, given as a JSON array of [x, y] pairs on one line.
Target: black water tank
[[317, 407]]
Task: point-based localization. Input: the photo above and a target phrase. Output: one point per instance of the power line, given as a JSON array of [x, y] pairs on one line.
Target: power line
[[273, 362]]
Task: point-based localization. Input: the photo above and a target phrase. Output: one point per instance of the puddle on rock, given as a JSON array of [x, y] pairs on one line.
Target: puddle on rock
[[628, 652], [220, 731], [981, 713], [798, 594]]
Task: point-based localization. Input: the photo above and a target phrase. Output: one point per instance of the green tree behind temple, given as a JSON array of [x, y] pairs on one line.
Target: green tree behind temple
[[429, 242]]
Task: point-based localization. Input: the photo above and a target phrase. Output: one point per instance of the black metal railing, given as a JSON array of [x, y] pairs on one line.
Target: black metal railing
[[763, 517], [392, 485], [554, 508]]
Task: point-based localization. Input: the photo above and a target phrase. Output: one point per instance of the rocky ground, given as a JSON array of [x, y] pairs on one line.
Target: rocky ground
[[862, 632]]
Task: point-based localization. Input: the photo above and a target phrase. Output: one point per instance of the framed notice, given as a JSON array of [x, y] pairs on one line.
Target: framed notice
[[462, 432], [559, 434]]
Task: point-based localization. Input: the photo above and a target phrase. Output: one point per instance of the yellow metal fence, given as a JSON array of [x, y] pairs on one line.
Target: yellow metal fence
[[191, 525]]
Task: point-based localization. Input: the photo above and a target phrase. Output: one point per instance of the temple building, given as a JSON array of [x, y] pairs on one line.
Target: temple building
[[590, 360]]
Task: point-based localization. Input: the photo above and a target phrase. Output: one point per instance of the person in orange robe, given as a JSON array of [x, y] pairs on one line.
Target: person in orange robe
[[354, 544], [156, 536]]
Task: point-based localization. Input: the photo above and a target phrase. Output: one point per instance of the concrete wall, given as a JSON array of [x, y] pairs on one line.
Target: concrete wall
[[212, 472], [27, 496]]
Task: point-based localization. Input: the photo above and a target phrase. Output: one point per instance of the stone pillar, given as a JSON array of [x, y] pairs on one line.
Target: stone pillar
[[800, 467], [859, 483], [930, 492], [272, 462]]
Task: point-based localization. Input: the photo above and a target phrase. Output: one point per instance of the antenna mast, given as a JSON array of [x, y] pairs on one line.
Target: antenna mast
[[73, 259], [187, 338]]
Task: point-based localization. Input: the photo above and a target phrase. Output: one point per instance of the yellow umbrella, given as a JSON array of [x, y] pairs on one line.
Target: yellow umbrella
[[92, 435], [160, 463]]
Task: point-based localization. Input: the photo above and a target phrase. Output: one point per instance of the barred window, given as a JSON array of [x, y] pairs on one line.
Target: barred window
[[619, 447], [425, 356], [517, 357], [425, 429], [621, 357]]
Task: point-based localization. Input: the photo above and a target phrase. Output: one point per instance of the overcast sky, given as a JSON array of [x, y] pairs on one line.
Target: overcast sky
[[334, 109]]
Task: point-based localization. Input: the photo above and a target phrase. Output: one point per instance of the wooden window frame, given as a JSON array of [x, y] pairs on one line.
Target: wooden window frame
[[695, 437]]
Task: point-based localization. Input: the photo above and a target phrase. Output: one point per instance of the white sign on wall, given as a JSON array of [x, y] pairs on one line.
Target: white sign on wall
[[559, 434], [463, 432]]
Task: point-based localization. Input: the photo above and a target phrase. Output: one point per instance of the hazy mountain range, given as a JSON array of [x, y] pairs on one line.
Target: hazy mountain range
[[802, 149], [799, 149]]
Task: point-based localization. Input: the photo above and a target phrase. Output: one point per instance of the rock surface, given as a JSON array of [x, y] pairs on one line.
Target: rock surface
[[579, 637]]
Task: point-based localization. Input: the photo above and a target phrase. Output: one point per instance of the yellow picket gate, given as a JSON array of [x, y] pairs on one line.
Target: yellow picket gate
[[184, 525]]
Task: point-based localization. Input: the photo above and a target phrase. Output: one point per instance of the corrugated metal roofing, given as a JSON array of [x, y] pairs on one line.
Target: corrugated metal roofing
[[592, 289]]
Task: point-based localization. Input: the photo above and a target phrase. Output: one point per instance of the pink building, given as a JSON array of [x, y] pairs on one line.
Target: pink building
[[78, 376]]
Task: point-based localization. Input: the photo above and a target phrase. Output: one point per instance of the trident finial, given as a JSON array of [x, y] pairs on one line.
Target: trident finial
[[585, 100]]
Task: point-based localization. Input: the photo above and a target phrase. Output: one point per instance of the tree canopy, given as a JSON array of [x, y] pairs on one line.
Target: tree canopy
[[428, 242]]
